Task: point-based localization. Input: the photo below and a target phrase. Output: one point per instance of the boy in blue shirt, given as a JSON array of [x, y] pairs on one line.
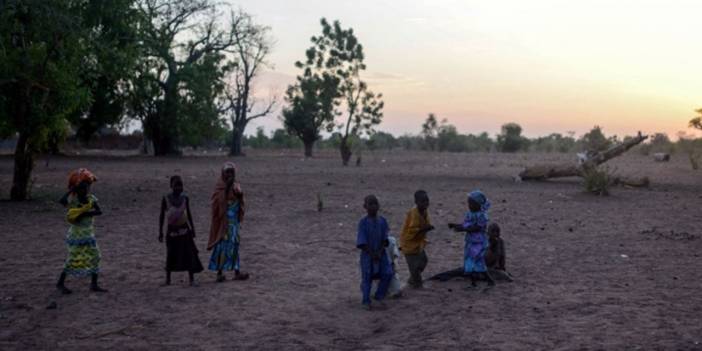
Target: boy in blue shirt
[[372, 239]]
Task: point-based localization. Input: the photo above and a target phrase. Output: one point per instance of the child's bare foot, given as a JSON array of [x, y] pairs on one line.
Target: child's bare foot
[[221, 278], [366, 306], [63, 290]]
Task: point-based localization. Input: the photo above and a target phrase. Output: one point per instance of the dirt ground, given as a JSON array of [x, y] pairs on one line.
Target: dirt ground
[[614, 273]]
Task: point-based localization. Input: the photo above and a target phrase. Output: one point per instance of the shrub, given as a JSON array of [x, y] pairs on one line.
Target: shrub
[[597, 180], [510, 139], [595, 140]]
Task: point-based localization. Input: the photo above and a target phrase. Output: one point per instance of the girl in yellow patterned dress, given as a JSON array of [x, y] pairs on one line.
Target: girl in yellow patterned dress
[[83, 253]]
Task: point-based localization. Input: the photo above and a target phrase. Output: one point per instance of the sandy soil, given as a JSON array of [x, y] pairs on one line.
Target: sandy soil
[[619, 272]]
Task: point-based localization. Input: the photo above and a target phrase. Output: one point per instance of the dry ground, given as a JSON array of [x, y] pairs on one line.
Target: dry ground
[[619, 272]]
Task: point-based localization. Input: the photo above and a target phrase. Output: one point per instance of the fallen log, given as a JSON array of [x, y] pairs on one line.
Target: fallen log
[[543, 172]]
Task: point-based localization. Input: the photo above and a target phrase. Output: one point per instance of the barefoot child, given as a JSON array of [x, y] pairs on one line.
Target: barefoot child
[[496, 255], [372, 239], [181, 252], [476, 242], [83, 253], [227, 214], [413, 238]]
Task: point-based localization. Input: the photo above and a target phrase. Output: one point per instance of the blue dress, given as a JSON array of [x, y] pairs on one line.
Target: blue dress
[[225, 254], [476, 243], [374, 233]]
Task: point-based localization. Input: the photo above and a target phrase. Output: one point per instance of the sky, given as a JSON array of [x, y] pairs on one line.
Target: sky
[[551, 66]]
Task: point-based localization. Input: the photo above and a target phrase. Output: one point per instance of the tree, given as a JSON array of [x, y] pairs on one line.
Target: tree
[[42, 48], [168, 60], [253, 45], [338, 51], [595, 140], [430, 131], [311, 101], [336, 56], [510, 139], [697, 121], [111, 56]]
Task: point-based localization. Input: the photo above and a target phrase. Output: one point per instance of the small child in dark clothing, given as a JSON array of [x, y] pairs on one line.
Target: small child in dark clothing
[[495, 257], [372, 239], [181, 252]]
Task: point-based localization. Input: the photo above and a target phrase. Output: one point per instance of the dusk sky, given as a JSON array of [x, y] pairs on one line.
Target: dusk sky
[[551, 66]]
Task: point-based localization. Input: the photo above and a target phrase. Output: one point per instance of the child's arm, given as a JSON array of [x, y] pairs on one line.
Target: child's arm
[[64, 199], [190, 216], [96, 211], [161, 218], [461, 228]]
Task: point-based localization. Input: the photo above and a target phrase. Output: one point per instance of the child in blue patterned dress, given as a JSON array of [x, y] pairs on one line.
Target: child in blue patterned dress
[[476, 241]]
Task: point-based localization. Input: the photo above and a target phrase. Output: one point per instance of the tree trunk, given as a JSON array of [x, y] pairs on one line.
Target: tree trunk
[[345, 151], [24, 163], [165, 139], [308, 147], [237, 146], [542, 172]]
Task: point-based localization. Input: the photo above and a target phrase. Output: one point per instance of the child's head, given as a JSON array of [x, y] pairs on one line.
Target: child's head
[[371, 204], [477, 201], [229, 172], [493, 230], [177, 184], [83, 189], [79, 176], [421, 200]]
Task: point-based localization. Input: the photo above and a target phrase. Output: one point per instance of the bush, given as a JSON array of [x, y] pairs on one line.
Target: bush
[[597, 180], [381, 141], [553, 143], [511, 140], [595, 140]]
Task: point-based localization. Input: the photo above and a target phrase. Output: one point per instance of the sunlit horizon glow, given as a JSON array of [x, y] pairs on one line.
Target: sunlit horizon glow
[[551, 66]]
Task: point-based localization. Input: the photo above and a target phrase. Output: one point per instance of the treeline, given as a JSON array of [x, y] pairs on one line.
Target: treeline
[[444, 137]]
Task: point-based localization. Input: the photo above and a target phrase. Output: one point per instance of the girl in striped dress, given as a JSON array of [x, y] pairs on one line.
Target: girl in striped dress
[[83, 252]]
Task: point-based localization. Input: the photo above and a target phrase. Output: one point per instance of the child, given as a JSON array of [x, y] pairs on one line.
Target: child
[[227, 214], [476, 243], [83, 253], [181, 252], [372, 239], [413, 238], [496, 255]]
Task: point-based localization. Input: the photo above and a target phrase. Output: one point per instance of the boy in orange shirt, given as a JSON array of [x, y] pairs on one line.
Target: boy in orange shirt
[[413, 238]]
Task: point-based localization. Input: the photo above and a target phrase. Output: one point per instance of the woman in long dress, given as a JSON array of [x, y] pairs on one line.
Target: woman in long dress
[[227, 214]]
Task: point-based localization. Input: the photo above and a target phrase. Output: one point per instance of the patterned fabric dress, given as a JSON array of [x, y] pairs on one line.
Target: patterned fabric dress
[[181, 254], [476, 243], [225, 254], [83, 252]]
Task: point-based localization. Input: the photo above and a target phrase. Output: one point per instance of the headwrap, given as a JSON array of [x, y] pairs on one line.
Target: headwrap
[[80, 175], [480, 198], [219, 202]]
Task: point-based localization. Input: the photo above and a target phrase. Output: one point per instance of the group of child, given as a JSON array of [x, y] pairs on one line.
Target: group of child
[[378, 250], [227, 204], [373, 238]]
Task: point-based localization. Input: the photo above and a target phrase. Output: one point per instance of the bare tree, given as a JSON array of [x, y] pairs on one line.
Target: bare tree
[[253, 45]]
